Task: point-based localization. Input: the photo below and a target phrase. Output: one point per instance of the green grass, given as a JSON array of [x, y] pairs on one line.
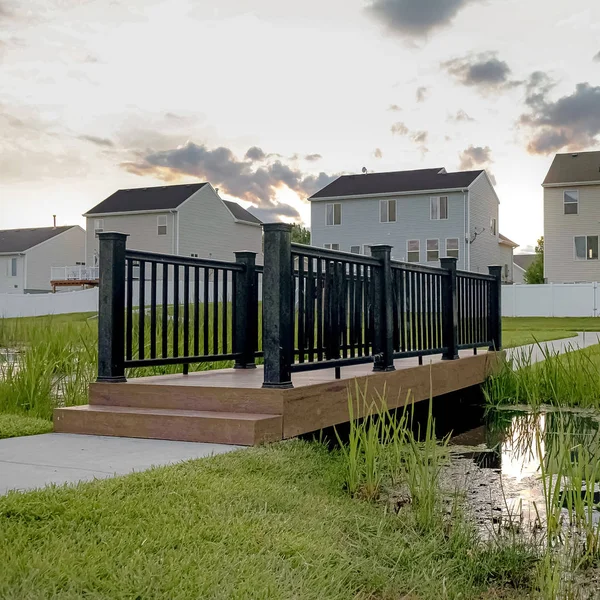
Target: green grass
[[520, 331], [18, 425], [271, 522]]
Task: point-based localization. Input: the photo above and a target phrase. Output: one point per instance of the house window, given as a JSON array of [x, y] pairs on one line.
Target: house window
[[493, 226], [586, 247], [355, 249], [334, 214], [13, 267], [367, 249], [439, 208], [433, 250], [161, 224], [571, 202], [331, 246], [387, 211], [98, 226], [452, 247], [413, 251]]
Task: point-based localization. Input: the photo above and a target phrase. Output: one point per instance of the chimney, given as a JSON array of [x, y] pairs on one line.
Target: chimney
[[54, 218], [217, 191]]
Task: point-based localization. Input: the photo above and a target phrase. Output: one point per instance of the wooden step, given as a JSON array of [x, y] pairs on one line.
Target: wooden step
[[167, 394], [243, 429]]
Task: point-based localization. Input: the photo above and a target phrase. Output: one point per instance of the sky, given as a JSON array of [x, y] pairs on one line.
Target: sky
[[271, 100]]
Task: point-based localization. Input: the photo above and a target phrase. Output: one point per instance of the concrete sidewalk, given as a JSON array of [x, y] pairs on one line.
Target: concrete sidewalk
[[35, 461], [578, 342]]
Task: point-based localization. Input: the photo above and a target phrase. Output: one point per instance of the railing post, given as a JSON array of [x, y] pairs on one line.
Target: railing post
[[449, 309], [111, 308], [245, 335], [278, 304], [383, 318], [495, 316]]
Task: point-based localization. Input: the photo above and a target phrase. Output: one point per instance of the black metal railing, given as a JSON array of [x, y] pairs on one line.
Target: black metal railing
[[159, 309], [307, 308]]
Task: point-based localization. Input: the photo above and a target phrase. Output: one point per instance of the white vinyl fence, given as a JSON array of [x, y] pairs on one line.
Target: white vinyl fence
[[551, 300]]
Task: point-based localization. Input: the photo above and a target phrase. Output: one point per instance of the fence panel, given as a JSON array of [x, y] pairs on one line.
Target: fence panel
[[550, 300]]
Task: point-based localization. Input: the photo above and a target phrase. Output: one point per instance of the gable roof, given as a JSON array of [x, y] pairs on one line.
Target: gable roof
[[504, 240], [524, 260], [574, 167], [19, 240], [164, 197], [420, 180], [241, 214]]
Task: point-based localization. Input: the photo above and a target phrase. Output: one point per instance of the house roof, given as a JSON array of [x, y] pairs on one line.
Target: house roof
[[524, 260], [19, 240], [419, 180], [165, 197], [241, 214], [506, 241], [574, 167]]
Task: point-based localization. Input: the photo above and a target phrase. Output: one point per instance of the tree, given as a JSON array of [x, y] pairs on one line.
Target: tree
[[300, 234], [535, 272]]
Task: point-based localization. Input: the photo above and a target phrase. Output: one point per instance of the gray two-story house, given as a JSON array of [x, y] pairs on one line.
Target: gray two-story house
[[572, 218], [424, 215]]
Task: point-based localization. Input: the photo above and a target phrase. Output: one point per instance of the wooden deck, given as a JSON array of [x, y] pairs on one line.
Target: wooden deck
[[230, 406]]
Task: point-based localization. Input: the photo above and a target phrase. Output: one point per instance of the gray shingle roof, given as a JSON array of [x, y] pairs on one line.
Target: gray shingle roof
[[505, 240], [19, 240], [524, 260], [574, 167], [420, 180], [149, 198], [241, 214]]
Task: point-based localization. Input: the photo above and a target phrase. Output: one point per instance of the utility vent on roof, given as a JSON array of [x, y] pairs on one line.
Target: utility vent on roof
[[442, 171], [574, 155]]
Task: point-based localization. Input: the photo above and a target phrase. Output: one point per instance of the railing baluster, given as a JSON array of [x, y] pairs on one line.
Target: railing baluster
[[175, 310], [310, 313], [165, 311], [300, 313], [224, 309], [129, 311], [141, 309], [320, 320], [351, 310], [196, 311], [153, 310], [186, 311], [215, 328], [206, 307]]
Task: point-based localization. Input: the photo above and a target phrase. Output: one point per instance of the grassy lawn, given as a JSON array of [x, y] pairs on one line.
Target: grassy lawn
[[519, 331], [271, 522], [17, 425]]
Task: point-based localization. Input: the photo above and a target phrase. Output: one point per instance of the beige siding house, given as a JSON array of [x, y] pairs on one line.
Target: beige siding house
[[27, 256], [187, 220], [424, 214], [572, 218]]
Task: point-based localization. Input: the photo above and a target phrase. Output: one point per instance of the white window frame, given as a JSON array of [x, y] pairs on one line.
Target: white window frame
[[418, 252], [161, 221], [575, 257], [427, 250], [494, 226], [331, 245], [437, 202], [366, 249], [14, 267], [98, 226], [333, 205], [194, 255], [387, 210], [457, 249], [576, 203], [356, 251]]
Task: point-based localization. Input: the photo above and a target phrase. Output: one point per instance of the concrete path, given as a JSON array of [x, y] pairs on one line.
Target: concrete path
[[578, 342], [35, 461]]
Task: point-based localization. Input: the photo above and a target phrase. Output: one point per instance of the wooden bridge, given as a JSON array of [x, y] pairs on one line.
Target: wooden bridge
[[321, 321]]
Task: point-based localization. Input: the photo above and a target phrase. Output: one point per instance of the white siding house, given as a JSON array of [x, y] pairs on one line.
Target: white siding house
[[572, 218], [27, 256], [187, 220], [424, 215]]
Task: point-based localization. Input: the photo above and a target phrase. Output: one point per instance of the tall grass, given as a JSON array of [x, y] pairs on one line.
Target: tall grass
[[568, 379]]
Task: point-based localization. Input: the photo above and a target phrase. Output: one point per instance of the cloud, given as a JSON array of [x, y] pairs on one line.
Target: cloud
[[477, 157], [484, 71], [415, 18], [422, 93], [394, 108], [399, 128], [596, 57], [237, 178], [255, 154], [571, 122], [313, 157], [419, 137], [98, 140], [460, 117], [377, 153]]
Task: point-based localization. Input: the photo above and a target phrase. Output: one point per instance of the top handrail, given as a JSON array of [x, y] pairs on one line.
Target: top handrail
[[417, 268], [175, 259], [325, 253], [473, 275]]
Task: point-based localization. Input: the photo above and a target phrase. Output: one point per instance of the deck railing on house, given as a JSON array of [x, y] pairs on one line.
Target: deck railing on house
[[319, 309]]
